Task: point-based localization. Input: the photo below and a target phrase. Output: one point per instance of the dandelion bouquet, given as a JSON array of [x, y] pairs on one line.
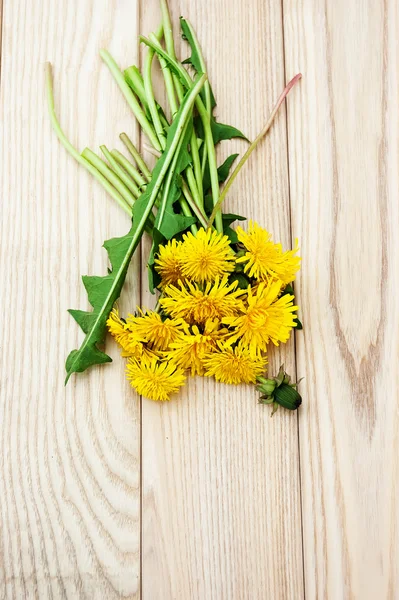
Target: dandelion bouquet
[[224, 293]]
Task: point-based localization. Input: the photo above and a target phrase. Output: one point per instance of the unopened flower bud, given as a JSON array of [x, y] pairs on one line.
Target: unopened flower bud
[[287, 397], [266, 386], [279, 391]]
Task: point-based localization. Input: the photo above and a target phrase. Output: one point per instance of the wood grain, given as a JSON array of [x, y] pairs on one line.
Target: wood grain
[[220, 479], [69, 458], [104, 495], [343, 155]]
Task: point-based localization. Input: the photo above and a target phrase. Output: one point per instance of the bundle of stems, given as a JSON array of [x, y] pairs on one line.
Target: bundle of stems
[[182, 192]]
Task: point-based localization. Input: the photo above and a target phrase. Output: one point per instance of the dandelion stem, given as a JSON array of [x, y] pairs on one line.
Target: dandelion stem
[[196, 190], [252, 147], [207, 87], [197, 167], [104, 169], [192, 183], [127, 165], [73, 151], [151, 150], [142, 165], [170, 88], [193, 205], [187, 212], [185, 77], [135, 81], [151, 98], [122, 174], [170, 44], [168, 181], [131, 98]]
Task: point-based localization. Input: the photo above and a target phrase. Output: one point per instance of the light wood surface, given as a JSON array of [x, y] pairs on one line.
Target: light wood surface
[[105, 495], [343, 158], [69, 457]]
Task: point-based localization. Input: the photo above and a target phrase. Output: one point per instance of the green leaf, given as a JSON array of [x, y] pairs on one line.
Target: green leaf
[[83, 318], [290, 290], [231, 234], [208, 204], [194, 59], [104, 291], [242, 281], [173, 223], [220, 132], [154, 278], [223, 171], [229, 218]]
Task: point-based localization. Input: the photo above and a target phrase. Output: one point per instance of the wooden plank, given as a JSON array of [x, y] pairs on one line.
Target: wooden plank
[[1, 31], [221, 498], [343, 155], [69, 457]]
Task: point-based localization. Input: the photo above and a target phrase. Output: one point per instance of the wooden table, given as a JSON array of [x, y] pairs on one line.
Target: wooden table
[[105, 495]]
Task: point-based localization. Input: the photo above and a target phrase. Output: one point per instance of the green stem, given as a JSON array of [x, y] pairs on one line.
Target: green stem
[[151, 98], [122, 174], [193, 187], [170, 92], [213, 169], [103, 168], [158, 304], [197, 166], [142, 165], [170, 152], [130, 97], [207, 87], [252, 147], [73, 151], [170, 44], [166, 190], [187, 212], [193, 205], [168, 182], [123, 161], [135, 81], [170, 88], [206, 124]]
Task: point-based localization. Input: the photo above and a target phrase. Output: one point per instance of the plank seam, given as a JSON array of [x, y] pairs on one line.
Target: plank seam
[[1, 36], [140, 251], [295, 334]]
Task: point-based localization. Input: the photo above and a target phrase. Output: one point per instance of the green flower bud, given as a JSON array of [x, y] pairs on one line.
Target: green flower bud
[[279, 391], [267, 386], [287, 397]]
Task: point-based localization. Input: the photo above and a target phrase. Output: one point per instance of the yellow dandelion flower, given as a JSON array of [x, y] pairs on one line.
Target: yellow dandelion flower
[[193, 346], [266, 318], [144, 352], [206, 255], [153, 378], [168, 263], [264, 259], [234, 365], [197, 305], [151, 329], [123, 336]]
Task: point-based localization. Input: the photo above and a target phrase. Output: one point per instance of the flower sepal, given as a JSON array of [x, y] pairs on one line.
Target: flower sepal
[[279, 391]]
